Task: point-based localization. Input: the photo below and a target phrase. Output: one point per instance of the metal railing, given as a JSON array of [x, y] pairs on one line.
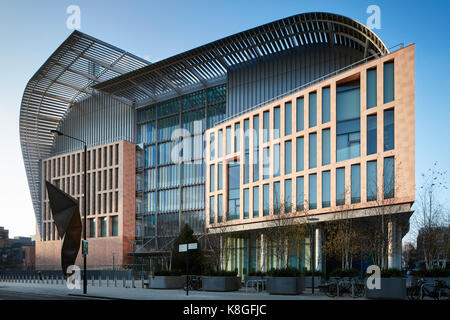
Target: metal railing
[[303, 86]]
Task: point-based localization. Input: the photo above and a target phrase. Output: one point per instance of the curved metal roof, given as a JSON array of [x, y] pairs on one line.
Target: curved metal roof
[[202, 66], [66, 77]]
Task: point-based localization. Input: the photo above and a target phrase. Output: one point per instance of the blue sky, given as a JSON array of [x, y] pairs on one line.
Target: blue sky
[[31, 30]]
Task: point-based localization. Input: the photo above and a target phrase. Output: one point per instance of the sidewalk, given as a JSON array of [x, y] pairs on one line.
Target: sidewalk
[[155, 294]]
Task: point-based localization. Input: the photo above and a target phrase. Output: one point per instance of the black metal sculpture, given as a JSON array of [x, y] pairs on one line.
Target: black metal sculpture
[[66, 214]]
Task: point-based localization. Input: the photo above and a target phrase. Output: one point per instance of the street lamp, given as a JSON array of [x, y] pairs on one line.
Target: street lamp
[[313, 254], [59, 133]]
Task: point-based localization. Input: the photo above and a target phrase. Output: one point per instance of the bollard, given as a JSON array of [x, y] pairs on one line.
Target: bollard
[[123, 281], [132, 280], [107, 281], [142, 279], [115, 280], [51, 279], [92, 280], [99, 280]]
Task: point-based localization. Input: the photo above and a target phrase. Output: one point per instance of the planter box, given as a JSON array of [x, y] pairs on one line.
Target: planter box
[[221, 283], [285, 285], [167, 282], [308, 281], [391, 288]]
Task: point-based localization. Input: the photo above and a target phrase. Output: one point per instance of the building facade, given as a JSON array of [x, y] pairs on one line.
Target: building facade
[[343, 144], [318, 95]]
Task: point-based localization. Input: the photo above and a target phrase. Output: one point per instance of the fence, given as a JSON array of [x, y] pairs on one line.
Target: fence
[[96, 278]]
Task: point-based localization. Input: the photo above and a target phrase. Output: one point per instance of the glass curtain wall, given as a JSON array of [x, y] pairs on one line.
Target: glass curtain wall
[[174, 168]]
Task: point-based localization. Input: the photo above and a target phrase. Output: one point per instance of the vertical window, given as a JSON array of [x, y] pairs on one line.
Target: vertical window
[[219, 176], [212, 146], [312, 191], [246, 203], [312, 150], [255, 148], [276, 197], [114, 226], [237, 137], [300, 114], [388, 129], [276, 160], [220, 208], [348, 122], [287, 118], [326, 104], [220, 144], [371, 88], [246, 151], [288, 157], [266, 117], [300, 194], [255, 202], [312, 109], [388, 178], [211, 209], [388, 81], [326, 199], [300, 158], [266, 163], [340, 186], [372, 134], [288, 195], [228, 140], [103, 230], [234, 190], [266, 200], [371, 180], [212, 174], [356, 183], [276, 122], [325, 147], [92, 228]]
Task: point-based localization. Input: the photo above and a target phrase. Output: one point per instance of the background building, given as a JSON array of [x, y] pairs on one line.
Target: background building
[[159, 112], [17, 253]]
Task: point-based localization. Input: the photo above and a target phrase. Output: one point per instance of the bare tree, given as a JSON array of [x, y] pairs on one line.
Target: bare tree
[[342, 236], [218, 247], [285, 231], [431, 219]]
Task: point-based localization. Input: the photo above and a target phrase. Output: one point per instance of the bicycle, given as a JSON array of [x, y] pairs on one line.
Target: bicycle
[[194, 282], [339, 287], [419, 291]]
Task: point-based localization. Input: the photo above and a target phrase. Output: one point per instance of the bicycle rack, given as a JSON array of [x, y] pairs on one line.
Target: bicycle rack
[[258, 282]]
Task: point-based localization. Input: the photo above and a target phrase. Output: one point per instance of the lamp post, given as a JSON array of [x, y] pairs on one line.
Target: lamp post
[[313, 253], [59, 133]]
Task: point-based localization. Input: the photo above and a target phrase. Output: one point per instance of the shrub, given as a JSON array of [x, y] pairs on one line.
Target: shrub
[[167, 273], [284, 272], [391, 273], [257, 274], [433, 273], [220, 273], [343, 273], [308, 273]]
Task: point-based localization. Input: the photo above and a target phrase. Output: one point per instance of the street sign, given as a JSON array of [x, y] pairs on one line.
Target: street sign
[[182, 248], [192, 246], [84, 247]]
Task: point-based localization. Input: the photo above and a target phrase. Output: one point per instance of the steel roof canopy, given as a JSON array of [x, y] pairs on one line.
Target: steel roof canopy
[[201, 66], [66, 77]]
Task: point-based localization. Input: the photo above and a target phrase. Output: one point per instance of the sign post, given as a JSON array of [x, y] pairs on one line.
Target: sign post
[[185, 248], [84, 247]]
